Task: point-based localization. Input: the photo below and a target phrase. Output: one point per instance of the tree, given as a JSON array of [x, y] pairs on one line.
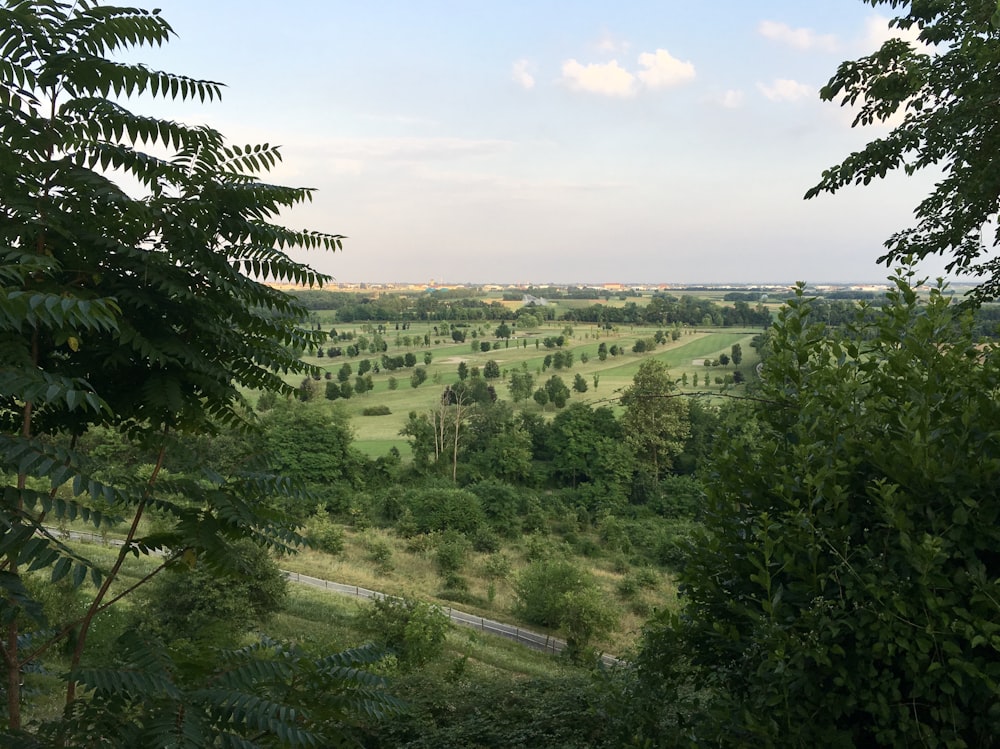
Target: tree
[[491, 370], [541, 397], [585, 614], [557, 391], [602, 351], [586, 445], [419, 377], [345, 372], [520, 385], [655, 423], [541, 586], [463, 370], [844, 592], [139, 309], [502, 331], [724, 359], [413, 629], [944, 95], [312, 445], [736, 354], [360, 385], [214, 606], [579, 383]]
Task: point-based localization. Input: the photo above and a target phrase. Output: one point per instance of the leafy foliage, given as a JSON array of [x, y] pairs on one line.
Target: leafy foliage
[[655, 424], [262, 695], [845, 592], [414, 630], [212, 605], [943, 94], [140, 309]]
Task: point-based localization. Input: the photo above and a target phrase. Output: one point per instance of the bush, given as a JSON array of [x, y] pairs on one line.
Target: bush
[[380, 553], [445, 509], [496, 567], [376, 411], [541, 586], [324, 534], [414, 630], [452, 550], [461, 595], [486, 541], [215, 605]]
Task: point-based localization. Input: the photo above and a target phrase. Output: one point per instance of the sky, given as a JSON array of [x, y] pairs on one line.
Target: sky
[[476, 141]]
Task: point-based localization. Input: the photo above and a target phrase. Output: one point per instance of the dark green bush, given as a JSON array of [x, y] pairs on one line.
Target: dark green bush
[[414, 630]]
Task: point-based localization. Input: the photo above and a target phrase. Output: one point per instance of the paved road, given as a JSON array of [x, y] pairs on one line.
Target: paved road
[[533, 640]]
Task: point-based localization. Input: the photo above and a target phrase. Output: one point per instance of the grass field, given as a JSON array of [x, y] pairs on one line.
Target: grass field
[[318, 621], [376, 435]]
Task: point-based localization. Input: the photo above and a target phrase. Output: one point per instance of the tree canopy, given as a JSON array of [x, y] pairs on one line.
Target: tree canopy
[[939, 97], [845, 590], [133, 258]]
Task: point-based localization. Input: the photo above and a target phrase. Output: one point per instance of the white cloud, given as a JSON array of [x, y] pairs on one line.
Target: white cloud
[[609, 79], [731, 99], [661, 69], [784, 89], [609, 45], [798, 38], [877, 32], [521, 75]]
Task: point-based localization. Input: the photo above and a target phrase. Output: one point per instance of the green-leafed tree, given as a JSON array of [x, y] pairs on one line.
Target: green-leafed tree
[[136, 305], [655, 421], [311, 444], [520, 385], [845, 590], [939, 98], [557, 391]]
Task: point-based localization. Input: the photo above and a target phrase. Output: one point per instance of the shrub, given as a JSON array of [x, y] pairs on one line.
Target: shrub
[[452, 550], [496, 567], [376, 411], [324, 534], [461, 595], [380, 553], [414, 630], [540, 588], [445, 509], [486, 541], [212, 605]]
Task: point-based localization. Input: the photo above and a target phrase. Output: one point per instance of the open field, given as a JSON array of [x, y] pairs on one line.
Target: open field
[[376, 435]]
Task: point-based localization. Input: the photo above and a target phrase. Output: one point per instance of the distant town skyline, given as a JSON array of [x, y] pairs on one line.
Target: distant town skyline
[[525, 142]]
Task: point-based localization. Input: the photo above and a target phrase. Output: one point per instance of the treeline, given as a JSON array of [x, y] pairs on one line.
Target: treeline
[[662, 309], [665, 309]]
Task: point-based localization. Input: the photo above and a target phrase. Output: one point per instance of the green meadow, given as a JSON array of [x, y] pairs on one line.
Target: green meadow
[[377, 435]]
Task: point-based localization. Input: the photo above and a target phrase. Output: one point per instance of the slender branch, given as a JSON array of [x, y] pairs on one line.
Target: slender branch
[[95, 605], [13, 677], [41, 649]]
